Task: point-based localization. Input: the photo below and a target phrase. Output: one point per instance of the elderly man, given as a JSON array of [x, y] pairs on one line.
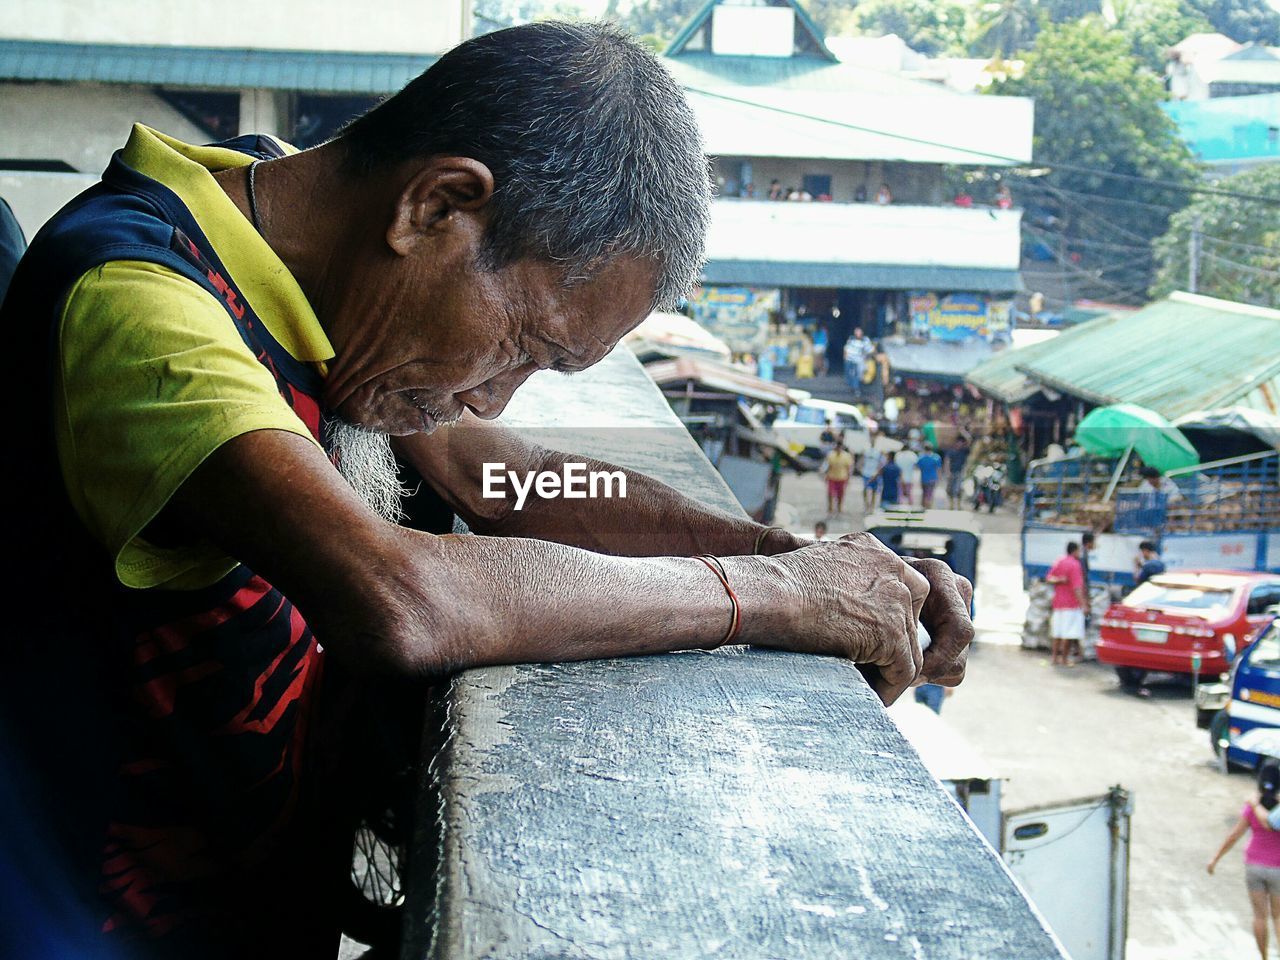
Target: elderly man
[[204, 337]]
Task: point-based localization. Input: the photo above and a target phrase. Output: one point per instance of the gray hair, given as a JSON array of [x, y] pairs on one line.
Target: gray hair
[[594, 150]]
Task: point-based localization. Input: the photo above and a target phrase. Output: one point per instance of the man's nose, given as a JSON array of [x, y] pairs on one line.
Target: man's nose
[[487, 400]]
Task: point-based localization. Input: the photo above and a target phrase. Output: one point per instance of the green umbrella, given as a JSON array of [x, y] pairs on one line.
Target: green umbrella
[[1112, 431]]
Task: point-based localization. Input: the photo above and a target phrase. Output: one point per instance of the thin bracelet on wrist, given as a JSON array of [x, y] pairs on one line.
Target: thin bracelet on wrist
[[735, 624], [755, 550]]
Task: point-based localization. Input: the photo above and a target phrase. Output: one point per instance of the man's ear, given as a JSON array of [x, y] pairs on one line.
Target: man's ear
[[439, 189]]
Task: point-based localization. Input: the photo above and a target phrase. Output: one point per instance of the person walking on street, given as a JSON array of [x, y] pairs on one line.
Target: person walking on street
[[957, 459], [827, 439], [1066, 622], [856, 350], [1261, 856], [1087, 647], [890, 478], [872, 461], [932, 696], [879, 372], [929, 467], [1147, 563], [1087, 541], [891, 408], [907, 460], [837, 468]]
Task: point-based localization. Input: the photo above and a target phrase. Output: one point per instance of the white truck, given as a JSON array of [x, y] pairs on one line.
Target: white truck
[[803, 422], [1071, 858]]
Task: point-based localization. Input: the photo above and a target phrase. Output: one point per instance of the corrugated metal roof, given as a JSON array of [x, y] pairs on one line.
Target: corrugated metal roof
[[716, 376], [1183, 353], [808, 73], [999, 376], [211, 68], [860, 276]]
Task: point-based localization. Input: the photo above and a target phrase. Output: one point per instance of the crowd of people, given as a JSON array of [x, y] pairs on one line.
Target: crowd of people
[[778, 192], [907, 477], [1003, 199]]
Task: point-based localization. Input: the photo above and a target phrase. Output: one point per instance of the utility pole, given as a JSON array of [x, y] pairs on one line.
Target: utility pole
[[1193, 256]]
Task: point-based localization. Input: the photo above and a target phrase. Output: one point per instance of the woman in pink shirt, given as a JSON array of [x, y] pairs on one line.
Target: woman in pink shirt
[[1261, 856]]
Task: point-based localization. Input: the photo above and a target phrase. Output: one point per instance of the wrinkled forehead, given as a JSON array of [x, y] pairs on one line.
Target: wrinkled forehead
[[601, 311]]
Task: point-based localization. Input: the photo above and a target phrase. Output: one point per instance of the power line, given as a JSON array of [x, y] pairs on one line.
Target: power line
[[1234, 265], [1084, 242], [1031, 184], [1273, 251], [1115, 289], [1141, 255], [1088, 211], [1015, 161]]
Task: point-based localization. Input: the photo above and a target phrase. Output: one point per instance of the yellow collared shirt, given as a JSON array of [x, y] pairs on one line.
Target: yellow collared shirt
[[153, 376]]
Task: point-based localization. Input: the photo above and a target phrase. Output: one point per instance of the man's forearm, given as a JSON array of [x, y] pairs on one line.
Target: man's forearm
[[393, 600], [460, 602], [479, 601], [654, 519], [390, 599]]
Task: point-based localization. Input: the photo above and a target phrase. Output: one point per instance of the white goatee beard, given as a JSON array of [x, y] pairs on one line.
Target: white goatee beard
[[365, 460]]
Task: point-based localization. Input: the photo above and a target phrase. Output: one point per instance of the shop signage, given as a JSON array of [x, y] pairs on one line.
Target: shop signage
[[960, 316], [737, 315]]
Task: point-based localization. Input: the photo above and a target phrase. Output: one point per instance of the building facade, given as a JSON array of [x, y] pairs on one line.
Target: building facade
[[75, 74], [833, 205], [1225, 99]]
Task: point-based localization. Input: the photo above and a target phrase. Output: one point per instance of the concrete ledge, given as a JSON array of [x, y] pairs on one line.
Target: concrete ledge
[[730, 804]]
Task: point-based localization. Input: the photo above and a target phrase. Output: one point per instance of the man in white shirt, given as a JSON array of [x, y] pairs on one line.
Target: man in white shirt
[[856, 350]]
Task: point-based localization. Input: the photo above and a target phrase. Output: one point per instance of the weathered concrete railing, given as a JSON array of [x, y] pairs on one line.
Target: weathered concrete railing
[[729, 804]]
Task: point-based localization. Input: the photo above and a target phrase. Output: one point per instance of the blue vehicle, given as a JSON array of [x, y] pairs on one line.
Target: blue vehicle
[[1254, 706]]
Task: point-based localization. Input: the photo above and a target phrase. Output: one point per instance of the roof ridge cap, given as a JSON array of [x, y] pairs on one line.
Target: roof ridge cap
[[1228, 306]]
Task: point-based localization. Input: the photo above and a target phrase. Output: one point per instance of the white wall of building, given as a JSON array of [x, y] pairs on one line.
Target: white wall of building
[[940, 127], [386, 26], [862, 233], [35, 196], [81, 124]]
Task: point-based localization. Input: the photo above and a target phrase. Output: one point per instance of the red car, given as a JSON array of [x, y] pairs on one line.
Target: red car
[[1164, 623]]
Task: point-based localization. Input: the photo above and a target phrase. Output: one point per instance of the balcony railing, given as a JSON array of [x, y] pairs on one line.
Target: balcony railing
[[742, 803]]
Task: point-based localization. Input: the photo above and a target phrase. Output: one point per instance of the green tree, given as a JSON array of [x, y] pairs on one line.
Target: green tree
[[934, 27], [655, 22], [1098, 112], [1060, 11], [1238, 245], [493, 15], [1001, 27], [1153, 26], [833, 17], [1243, 21]]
